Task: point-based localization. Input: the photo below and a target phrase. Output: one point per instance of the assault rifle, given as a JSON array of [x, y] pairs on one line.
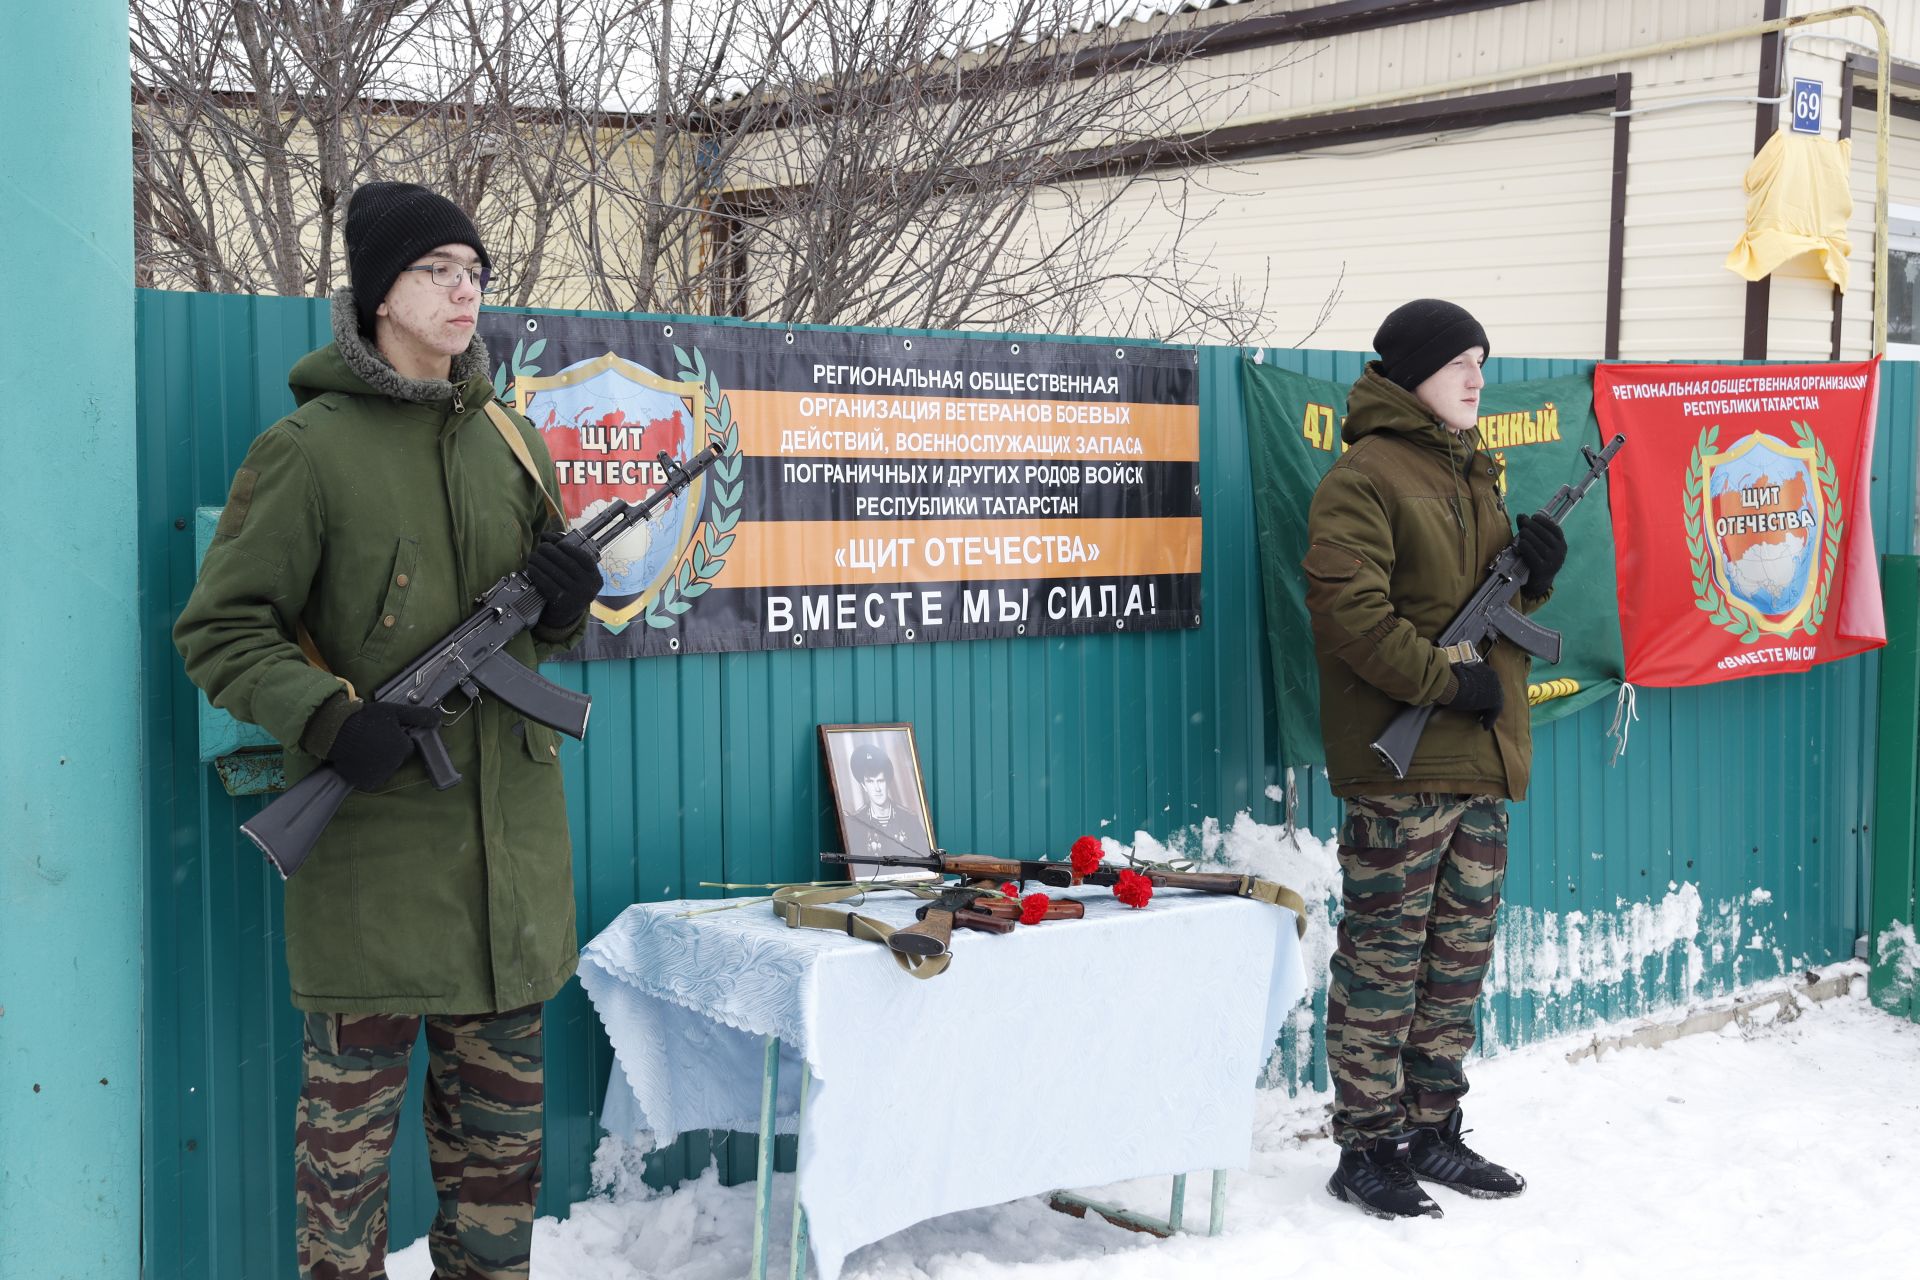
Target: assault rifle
[[471, 660], [1056, 874], [972, 867], [965, 865], [1224, 882], [1490, 614], [969, 908]]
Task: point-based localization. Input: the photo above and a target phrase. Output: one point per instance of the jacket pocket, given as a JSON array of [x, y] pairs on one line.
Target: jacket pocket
[[1363, 830], [1329, 570], [393, 602], [543, 744]]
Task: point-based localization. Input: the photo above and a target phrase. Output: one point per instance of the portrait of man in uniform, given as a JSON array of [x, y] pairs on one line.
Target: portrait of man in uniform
[[877, 792]]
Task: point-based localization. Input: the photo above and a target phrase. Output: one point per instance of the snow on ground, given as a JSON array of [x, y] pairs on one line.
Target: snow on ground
[[1785, 1150]]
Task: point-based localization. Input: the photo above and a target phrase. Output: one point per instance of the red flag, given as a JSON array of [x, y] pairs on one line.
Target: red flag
[[1740, 516]]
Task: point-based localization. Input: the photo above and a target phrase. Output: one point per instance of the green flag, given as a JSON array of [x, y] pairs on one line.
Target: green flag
[[1535, 429]]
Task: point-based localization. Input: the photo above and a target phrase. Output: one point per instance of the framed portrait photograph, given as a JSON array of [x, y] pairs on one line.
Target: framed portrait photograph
[[878, 796]]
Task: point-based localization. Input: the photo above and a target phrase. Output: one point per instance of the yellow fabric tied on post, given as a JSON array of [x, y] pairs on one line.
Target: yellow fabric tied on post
[[1798, 201]]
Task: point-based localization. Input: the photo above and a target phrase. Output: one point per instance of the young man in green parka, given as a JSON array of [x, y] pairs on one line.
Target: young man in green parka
[[1402, 529], [369, 519]]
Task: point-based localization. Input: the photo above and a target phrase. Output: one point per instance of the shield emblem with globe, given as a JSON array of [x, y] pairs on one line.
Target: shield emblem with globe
[[1765, 518], [605, 420]]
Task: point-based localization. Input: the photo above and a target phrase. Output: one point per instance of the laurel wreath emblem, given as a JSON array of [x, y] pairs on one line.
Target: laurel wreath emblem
[[1829, 479], [706, 556], [1706, 592]]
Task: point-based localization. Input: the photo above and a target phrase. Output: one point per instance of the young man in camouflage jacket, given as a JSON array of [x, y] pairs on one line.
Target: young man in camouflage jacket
[[369, 519], [1402, 529]]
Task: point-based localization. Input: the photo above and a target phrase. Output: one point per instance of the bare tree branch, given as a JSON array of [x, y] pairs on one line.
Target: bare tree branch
[[935, 163]]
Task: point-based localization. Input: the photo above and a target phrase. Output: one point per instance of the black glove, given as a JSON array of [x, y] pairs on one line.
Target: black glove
[[373, 741], [1479, 691], [567, 578], [1543, 549]]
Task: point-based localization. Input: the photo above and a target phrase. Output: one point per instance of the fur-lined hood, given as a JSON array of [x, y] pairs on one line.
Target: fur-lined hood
[[352, 364]]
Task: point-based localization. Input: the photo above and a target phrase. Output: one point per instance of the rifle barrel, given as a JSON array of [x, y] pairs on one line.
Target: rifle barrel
[[626, 514]]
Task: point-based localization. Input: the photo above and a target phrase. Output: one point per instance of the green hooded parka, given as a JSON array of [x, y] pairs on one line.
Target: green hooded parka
[[376, 512]]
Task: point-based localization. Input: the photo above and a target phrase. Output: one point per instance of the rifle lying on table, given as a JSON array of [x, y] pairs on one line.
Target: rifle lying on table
[[472, 660], [931, 936], [973, 908], [967, 866], [1490, 614], [925, 954], [969, 908]]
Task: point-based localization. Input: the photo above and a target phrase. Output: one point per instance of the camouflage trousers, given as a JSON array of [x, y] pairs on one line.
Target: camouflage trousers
[[485, 1084], [1421, 878]]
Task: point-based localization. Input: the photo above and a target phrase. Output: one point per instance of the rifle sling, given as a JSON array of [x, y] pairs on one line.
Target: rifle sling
[[1276, 895], [801, 908], [511, 434]]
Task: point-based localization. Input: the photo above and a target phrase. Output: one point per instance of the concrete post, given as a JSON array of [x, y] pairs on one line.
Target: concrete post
[[71, 826]]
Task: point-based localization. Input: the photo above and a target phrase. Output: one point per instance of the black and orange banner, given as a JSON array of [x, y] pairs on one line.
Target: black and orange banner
[[873, 488]]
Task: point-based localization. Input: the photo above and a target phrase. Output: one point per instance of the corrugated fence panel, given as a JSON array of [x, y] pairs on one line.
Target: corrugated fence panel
[[706, 768]]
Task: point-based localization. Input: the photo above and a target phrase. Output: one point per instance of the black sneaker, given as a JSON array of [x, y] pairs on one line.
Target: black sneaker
[[1440, 1156], [1377, 1179]]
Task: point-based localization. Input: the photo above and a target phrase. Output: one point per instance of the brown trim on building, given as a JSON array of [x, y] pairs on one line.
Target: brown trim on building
[[1899, 108], [1617, 215], [1766, 119], [1906, 75], [1317, 22], [1308, 133], [1232, 35], [1281, 137], [1859, 67]]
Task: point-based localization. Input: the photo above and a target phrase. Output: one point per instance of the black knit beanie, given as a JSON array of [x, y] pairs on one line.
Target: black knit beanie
[[389, 224], [1416, 339]]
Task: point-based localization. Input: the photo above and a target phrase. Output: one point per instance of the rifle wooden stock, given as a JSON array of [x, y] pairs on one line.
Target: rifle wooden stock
[[1200, 881], [983, 921], [930, 937], [1058, 909], [973, 866]]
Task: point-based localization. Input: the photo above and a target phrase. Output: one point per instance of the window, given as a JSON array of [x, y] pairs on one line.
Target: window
[[1903, 282]]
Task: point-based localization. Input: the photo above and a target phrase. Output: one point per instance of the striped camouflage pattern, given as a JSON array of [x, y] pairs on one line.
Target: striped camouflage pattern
[[1421, 877], [485, 1078]]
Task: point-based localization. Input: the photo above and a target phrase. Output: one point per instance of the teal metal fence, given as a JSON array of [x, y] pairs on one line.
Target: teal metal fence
[[1738, 812], [1896, 845]]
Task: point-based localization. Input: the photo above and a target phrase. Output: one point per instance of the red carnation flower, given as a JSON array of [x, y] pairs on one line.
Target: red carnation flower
[[1011, 889], [1085, 856], [1133, 888], [1033, 908]]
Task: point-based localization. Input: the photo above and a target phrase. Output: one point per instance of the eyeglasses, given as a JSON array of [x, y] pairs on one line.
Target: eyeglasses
[[448, 275]]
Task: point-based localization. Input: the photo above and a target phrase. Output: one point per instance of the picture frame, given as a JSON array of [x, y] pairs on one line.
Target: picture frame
[[879, 798]]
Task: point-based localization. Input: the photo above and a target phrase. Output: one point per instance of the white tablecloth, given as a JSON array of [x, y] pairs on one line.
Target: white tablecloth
[[1067, 1054]]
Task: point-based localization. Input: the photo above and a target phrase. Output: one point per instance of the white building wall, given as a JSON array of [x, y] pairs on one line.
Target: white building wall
[[1328, 73], [1510, 221], [1685, 209]]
